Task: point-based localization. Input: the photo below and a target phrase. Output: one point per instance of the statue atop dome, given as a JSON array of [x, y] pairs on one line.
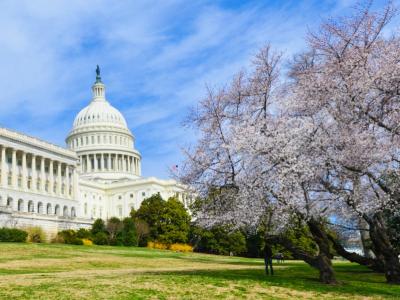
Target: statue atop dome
[[98, 78]]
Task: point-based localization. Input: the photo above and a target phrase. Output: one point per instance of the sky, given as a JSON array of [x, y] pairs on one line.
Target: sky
[[156, 59]]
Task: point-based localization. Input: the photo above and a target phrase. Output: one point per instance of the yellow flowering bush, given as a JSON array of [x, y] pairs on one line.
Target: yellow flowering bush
[[87, 242], [173, 247], [181, 248], [157, 245]]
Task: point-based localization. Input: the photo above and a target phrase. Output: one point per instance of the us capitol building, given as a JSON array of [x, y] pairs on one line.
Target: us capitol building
[[98, 175]]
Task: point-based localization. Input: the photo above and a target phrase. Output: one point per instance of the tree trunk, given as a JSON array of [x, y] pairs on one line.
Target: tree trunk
[[326, 273], [322, 262], [366, 239], [383, 247], [324, 258], [374, 264]]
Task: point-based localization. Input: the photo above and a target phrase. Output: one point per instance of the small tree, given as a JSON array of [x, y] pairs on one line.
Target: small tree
[[151, 211], [129, 236], [98, 226], [142, 231], [114, 229], [175, 223]]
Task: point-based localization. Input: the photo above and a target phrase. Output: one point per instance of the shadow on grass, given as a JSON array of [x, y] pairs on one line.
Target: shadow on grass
[[299, 277]]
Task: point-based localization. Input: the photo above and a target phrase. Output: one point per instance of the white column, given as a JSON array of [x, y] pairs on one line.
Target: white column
[[59, 179], [131, 164], [74, 183], [4, 168], [42, 175], [14, 175], [139, 168], [24, 176], [95, 162], [82, 170], [51, 177], [136, 167], [123, 163], [102, 162], [109, 162], [88, 163], [115, 162], [33, 172], [67, 181]]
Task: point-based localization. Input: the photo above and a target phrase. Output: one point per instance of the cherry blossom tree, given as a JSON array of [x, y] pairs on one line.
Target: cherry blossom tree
[[317, 146], [347, 83]]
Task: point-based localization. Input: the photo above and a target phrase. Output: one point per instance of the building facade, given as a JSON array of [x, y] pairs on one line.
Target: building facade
[[98, 175]]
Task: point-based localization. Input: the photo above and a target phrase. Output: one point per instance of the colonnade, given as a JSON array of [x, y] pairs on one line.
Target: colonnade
[[116, 162], [31, 172]]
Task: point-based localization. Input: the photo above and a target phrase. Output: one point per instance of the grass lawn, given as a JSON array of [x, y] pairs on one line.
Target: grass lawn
[[51, 271]]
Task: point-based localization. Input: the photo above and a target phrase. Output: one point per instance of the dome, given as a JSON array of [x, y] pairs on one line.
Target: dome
[[99, 112], [102, 140]]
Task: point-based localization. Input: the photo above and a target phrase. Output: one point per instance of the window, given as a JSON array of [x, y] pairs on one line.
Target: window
[[131, 195], [120, 211], [119, 197], [143, 194]]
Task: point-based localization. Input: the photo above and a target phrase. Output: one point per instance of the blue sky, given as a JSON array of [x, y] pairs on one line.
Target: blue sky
[[156, 59]]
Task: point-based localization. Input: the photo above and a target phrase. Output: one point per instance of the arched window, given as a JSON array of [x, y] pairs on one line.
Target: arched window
[[20, 205], [31, 207], [73, 212], [48, 209], [65, 211], [9, 202], [40, 208], [85, 208], [57, 210]]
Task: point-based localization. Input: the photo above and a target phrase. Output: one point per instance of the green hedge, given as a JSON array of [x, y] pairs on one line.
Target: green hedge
[[13, 235], [69, 237]]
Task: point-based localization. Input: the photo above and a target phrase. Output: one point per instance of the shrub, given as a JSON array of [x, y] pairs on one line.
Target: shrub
[[100, 238], [35, 234], [173, 247], [83, 233], [58, 239], [128, 234], [114, 229], [13, 235], [181, 248], [98, 226], [69, 237], [87, 242], [157, 245]]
